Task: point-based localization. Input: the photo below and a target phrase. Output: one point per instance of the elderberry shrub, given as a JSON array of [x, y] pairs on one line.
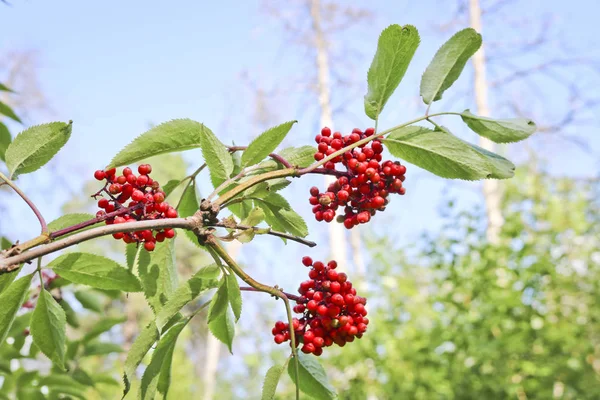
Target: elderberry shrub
[[366, 183], [331, 310], [146, 202]]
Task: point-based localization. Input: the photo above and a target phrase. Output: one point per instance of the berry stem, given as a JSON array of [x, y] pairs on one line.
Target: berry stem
[[30, 203], [290, 296], [93, 221], [274, 156], [269, 231], [215, 246]]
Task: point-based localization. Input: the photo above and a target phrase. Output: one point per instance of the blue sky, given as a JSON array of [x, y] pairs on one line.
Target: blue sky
[[115, 67]]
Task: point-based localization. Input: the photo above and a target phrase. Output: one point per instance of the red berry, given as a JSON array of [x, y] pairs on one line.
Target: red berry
[[325, 131], [102, 203], [144, 169], [99, 175], [159, 197], [149, 246], [169, 233], [142, 180], [171, 213], [279, 338], [307, 261], [137, 195]]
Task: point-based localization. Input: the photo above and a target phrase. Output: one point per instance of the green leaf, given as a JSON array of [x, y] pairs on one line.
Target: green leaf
[[188, 207], [395, 49], [5, 139], [223, 328], [7, 111], [7, 279], [291, 221], [206, 278], [313, 379], [5, 243], [68, 220], [255, 217], [89, 300], [220, 302], [271, 380], [95, 271], [101, 349], [500, 166], [102, 326], [5, 88], [172, 136], [162, 355], [140, 347], [159, 277], [265, 143], [277, 200], [170, 186], [438, 152], [217, 158], [297, 156], [35, 146], [48, 328], [11, 300], [70, 314], [241, 210], [448, 63], [234, 294], [499, 130]]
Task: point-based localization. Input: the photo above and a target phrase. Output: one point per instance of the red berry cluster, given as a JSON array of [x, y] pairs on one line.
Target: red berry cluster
[[332, 312], [364, 188], [146, 202]]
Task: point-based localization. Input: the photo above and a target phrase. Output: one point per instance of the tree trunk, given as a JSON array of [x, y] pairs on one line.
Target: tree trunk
[[337, 234], [491, 188]]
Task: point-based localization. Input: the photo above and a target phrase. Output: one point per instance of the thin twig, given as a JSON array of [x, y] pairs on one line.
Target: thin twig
[[31, 205], [274, 156], [289, 295], [269, 231]]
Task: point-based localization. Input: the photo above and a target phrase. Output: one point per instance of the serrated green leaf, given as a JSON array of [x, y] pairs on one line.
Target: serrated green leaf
[[448, 63], [499, 130], [140, 347], [11, 300], [101, 349], [172, 136], [395, 49], [240, 210], [161, 356], [234, 294], [188, 207], [105, 379], [271, 380], [217, 158], [48, 328], [170, 186], [89, 300], [95, 271], [70, 314], [102, 326], [277, 200], [220, 302], [206, 278], [265, 143], [278, 184], [255, 217], [288, 220], [68, 220], [35, 146], [83, 377], [6, 110], [5, 139], [297, 156], [159, 277], [313, 379], [500, 166], [223, 328], [438, 152]]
